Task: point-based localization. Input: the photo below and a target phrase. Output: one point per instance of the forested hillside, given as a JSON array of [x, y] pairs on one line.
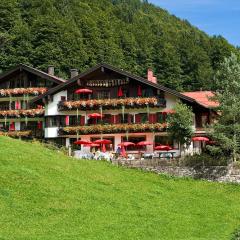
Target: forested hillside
[[130, 34]]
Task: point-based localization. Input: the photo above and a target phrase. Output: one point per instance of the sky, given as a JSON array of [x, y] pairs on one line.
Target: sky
[[215, 17]]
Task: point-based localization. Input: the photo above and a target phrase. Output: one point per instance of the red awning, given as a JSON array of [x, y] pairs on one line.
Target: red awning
[[200, 139], [83, 90]]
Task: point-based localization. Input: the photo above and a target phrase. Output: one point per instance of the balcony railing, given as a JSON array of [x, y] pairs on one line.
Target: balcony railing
[[112, 103], [113, 128], [22, 91], [21, 113], [16, 133]]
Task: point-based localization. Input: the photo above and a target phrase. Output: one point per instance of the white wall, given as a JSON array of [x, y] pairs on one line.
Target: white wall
[[51, 132], [51, 108]]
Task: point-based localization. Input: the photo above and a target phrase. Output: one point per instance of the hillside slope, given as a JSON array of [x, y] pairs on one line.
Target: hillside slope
[[45, 195], [130, 34]]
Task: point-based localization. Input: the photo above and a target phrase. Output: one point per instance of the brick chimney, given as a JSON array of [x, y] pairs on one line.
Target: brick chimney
[[51, 70], [74, 72], [151, 77]]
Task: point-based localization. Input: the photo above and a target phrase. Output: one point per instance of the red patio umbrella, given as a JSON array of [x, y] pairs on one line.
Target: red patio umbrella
[[139, 91], [200, 139], [120, 92], [95, 115], [103, 141], [81, 142], [126, 144], [144, 143], [163, 148], [92, 145], [83, 90]]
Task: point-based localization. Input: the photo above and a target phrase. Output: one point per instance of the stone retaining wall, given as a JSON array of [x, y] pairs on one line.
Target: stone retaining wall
[[214, 173]]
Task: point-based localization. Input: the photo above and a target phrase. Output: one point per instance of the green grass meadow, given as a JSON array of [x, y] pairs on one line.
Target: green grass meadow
[[45, 195]]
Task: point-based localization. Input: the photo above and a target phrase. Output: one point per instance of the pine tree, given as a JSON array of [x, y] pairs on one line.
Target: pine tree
[[226, 131]]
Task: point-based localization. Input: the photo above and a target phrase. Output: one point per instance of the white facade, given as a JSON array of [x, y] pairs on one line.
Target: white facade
[[51, 109]]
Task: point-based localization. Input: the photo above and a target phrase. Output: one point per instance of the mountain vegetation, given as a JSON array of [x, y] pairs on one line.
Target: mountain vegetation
[[46, 195], [131, 34], [226, 131]]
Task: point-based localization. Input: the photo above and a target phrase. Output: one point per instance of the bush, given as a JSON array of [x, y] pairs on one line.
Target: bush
[[204, 159], [236, 235]]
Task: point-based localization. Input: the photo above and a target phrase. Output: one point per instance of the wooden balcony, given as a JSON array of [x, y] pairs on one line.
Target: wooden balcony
[[95, 104], [113, 128], [21, 113], [22, 91]]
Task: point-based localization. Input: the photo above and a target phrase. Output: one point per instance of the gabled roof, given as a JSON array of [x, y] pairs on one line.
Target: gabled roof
[[32, 70], [116, 70], [203, 98]]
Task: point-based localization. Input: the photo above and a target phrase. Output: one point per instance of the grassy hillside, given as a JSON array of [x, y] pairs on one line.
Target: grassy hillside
[[45, 195], [131, 34]]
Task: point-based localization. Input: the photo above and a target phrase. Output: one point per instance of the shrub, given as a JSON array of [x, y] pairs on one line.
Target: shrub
[[236, 235], [204, 159]]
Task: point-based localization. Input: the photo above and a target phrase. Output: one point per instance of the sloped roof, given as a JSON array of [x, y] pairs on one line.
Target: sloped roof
[[116, 70], [203, 98], [32, 70]]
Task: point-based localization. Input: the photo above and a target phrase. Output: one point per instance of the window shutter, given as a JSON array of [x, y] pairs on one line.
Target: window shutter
[[82, 120], [117, 119], [129, 118], [67, 120], [112, 119], [12, 126], [17, 105], [137, 118], [39, 125], [152, 118]]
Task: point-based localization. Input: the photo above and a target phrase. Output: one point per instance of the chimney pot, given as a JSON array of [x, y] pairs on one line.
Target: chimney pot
[[74, 72], [51, 70]]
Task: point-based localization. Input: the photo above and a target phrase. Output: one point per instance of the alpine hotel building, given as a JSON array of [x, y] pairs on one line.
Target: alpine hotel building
[[102, 102]]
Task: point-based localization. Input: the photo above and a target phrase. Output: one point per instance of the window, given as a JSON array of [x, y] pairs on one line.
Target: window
[[51, 122], [73, 120], [4, 106], [144, 117], [125, 118], [107, 119], [161, 118], [147, 92], [105, 94], [125, 92]]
